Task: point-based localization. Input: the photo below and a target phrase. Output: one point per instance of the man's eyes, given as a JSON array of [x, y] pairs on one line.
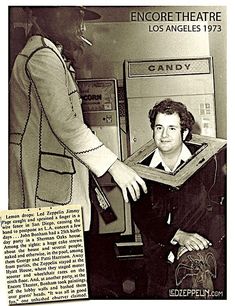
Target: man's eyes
[[171, 128]]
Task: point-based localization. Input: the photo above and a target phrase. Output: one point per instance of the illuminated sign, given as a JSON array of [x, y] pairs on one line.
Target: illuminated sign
[[148, 68], [97, 94], [91, 97]]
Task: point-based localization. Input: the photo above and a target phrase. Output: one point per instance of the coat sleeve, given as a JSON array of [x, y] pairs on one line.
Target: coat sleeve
[[49, 76]]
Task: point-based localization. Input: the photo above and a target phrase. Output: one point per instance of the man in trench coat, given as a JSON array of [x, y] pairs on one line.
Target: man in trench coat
[[51, 149]]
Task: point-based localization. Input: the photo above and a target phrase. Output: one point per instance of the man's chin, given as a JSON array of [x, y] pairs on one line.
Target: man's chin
[[164, 147]]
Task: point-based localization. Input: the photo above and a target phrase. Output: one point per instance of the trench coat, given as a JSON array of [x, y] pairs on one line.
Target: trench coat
[[51, 150]]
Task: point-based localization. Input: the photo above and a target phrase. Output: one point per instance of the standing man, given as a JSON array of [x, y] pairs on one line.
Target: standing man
[[175, 224], [51, 149]]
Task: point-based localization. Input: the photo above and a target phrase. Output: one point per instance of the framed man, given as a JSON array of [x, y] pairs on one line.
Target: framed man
[[180, 238]]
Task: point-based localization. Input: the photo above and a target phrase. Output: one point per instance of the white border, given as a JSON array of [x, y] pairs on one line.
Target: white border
[[231, 128]]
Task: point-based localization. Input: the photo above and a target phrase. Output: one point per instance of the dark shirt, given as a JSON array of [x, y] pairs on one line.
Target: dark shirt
[[189, 206], [194, 207]]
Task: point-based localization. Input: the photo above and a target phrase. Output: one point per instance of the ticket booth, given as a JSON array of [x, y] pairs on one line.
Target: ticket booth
[[187, 80]]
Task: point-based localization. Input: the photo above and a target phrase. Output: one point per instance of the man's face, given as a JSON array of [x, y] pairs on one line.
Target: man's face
[[64, 24], [167, 133], [70, 24]]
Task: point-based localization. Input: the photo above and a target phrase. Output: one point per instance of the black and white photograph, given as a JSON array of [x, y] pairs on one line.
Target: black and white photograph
[[116, 153]]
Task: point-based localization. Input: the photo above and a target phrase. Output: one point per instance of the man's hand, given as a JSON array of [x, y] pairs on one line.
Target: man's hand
[[181, 251], [127, 179], [191, 241]]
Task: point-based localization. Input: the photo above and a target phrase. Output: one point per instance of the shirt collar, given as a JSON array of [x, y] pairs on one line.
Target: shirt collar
[[156, 159], [67, 61]]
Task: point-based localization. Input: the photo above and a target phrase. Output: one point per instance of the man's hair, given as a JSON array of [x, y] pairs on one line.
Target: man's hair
[[170, 107]]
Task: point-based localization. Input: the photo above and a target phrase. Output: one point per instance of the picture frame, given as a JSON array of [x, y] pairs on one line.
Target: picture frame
[[204, 148]]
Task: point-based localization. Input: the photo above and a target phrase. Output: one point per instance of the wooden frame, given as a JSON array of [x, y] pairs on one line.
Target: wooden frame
[[206, 146]]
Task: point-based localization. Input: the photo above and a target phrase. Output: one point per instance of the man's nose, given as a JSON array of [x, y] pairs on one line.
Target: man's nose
[[164, 132], [83, 27]]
